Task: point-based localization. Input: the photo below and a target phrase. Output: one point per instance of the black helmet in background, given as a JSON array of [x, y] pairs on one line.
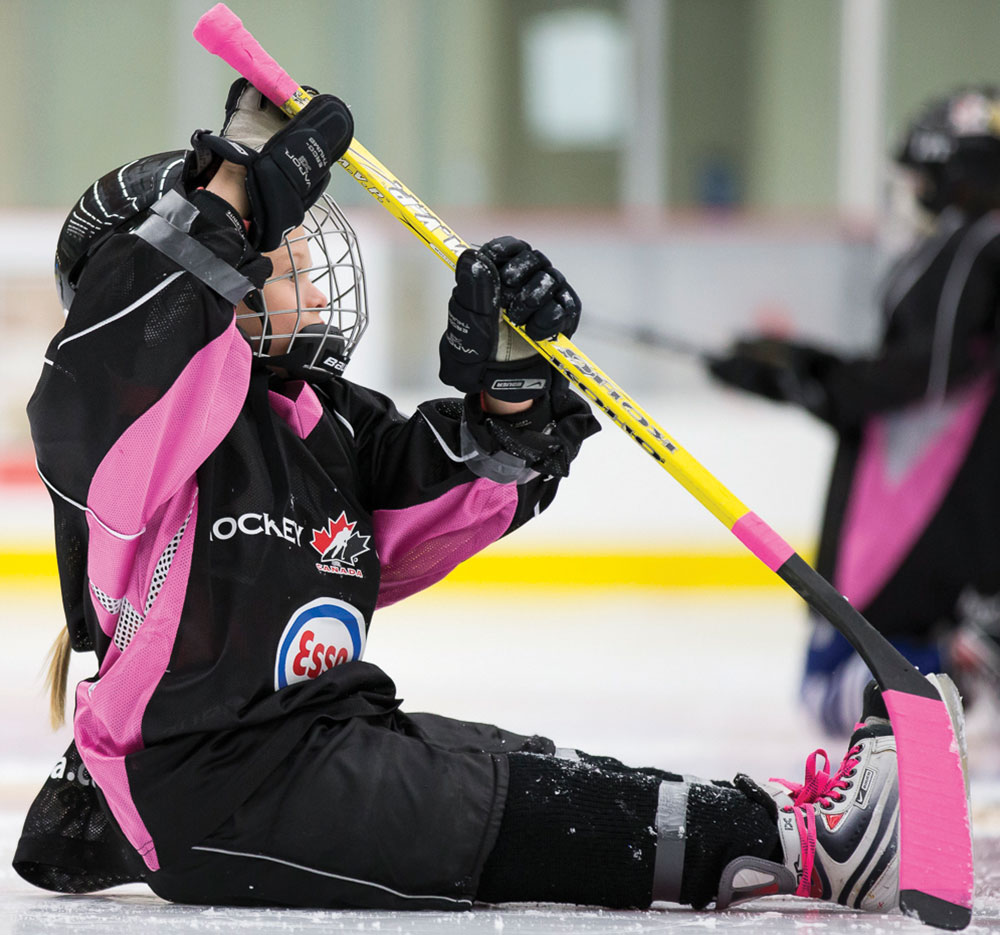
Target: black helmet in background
[[953, 146]]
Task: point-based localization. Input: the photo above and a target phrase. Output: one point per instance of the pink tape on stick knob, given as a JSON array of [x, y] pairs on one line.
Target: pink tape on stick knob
[[222, 32]]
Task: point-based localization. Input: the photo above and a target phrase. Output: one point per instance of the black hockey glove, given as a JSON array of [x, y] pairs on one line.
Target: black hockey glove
[[778, 370], [546, 437], [291, 170], [479, 351]]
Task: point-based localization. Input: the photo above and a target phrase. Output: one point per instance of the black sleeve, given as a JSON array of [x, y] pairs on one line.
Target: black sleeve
[[407, 461], [436, 494]]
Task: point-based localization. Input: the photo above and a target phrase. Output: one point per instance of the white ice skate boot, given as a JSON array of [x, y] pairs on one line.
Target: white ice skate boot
[[839, 833]]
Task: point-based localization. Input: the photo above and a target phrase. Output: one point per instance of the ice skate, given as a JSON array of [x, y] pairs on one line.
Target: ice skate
[[839, 832]]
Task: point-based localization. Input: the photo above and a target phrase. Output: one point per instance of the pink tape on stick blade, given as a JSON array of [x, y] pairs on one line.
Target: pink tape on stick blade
[[222, 32], [928, 752]]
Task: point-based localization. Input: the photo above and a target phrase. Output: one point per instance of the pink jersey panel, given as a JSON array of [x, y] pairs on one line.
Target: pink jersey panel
[[110, 561], [420, 544], [108, 721], [934, 833], [302, 411], [168, 443]]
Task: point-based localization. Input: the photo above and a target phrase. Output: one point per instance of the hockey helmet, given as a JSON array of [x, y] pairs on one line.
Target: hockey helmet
[[120, 200], [116, 201], [954, 146]]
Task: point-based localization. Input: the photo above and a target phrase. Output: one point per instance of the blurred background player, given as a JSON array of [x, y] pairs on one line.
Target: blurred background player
[[229, 513], [911, 532]]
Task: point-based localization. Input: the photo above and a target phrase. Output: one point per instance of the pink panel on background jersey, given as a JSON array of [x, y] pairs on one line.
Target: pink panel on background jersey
[[885, 516], [419, 545]]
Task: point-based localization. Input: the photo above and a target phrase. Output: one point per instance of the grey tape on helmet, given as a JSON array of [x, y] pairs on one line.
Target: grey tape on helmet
[[166, 228], [671, 836]]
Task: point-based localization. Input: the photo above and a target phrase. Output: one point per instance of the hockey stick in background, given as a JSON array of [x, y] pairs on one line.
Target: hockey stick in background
[[648, 338], [936, 870]]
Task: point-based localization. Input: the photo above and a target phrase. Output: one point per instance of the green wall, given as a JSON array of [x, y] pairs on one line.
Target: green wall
[[708, 88], [936, 46], [436, 88]]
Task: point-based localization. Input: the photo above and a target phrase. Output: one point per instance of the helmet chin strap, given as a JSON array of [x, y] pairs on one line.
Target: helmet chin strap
[[255, 302], [316, 353]]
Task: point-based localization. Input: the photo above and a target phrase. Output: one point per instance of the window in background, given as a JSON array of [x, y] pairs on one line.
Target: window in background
[[576, 79]]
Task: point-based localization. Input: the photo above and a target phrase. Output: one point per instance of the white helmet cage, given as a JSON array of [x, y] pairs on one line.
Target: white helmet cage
[[336, 270]]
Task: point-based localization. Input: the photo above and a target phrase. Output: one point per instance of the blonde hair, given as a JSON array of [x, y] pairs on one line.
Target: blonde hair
[[56, 678]]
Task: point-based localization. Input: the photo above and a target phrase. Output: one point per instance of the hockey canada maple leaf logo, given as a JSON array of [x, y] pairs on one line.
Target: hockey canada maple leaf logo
[[339, 546]]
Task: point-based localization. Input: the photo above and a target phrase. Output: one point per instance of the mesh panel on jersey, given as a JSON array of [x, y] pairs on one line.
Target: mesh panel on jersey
[[129, 622], [163, 565], [163, 317], [130, 619], [574, 833], [117, 284], [68, 843], [110, 604]]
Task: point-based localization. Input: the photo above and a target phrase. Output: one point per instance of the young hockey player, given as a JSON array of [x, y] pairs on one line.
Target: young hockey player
[[911, 533], [230, 511]]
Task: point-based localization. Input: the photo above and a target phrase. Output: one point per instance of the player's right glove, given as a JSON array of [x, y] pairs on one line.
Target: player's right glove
[[778, 370], [481, 352], [292, 168]]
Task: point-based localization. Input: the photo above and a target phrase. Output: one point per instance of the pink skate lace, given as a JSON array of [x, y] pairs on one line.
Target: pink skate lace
[[819, 788]]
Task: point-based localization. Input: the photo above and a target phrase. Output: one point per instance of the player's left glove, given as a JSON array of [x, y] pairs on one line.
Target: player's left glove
[[479, 351]]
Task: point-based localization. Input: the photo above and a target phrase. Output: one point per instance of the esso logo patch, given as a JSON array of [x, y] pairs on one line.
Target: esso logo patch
[[322, 634]]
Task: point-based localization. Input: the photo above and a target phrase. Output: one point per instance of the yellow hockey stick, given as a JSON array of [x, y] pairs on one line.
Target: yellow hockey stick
[[379, 182]]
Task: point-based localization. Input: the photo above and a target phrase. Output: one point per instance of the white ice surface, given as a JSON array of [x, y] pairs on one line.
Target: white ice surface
[[701, 684]]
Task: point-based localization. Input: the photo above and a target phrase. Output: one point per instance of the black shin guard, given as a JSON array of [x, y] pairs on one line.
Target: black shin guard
[[596, 832], [722, 824], [573, 832]]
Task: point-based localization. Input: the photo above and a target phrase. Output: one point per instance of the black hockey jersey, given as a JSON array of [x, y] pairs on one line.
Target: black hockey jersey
[[224, 535]]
